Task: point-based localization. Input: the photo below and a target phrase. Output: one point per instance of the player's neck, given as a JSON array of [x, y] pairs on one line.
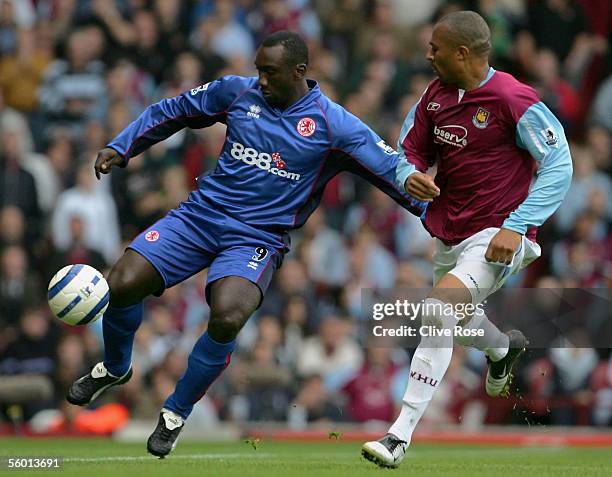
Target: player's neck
[[300, 91], [474, 77]]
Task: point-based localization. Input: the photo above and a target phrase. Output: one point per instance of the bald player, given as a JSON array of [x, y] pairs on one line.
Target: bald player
[[487, 133]]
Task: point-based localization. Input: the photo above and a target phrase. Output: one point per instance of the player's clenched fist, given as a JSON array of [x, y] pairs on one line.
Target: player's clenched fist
[[503, 246], [422, 187], [106, 159]]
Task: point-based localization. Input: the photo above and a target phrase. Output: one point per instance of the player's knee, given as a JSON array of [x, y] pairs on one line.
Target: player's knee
[[225, 324], [224, 328], [123, 287], [433, 313]]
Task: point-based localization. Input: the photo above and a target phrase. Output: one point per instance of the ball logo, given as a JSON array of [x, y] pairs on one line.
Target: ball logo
[[306, 127], [86, 291], [152, 236]]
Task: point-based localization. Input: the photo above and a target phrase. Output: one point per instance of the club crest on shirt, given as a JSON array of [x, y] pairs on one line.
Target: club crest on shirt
[[481, 118], [306, 127], [152, 236]]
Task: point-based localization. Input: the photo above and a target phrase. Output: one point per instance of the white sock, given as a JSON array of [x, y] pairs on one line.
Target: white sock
[[429, 363], [493, 343]]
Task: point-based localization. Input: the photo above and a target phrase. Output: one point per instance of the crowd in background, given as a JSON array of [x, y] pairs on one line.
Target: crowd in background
[[73, 73]]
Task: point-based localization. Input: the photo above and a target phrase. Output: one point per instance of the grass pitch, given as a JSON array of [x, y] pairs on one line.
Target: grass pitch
[[103, 457]]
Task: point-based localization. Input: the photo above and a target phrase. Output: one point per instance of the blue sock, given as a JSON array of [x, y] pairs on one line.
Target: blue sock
[[206, 362], [119, 326]]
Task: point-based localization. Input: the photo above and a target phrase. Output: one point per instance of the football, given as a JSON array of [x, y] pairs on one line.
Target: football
[[78, 294]]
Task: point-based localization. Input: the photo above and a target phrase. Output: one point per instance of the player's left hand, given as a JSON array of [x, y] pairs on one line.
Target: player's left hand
[[106, 159], [503, 246]]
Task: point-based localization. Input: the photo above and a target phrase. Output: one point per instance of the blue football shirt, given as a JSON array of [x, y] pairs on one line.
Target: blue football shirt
[[274, 163]]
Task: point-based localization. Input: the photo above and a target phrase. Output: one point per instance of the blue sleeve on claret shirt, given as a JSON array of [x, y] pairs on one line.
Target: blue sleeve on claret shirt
[[405, 167], [540, 132]]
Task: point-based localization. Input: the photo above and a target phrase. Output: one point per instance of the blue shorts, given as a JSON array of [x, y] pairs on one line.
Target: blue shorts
[[197, 236]]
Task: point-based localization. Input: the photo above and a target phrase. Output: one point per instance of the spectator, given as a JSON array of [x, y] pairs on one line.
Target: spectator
[[32, 356], [560, 26], [313, 403], [76, 251], [602, 105], [601, 383], [267, 384], [599, 141], [557, 93], [149, 51], [97, 211], [585, 257], [19, 286], [21, 73], [60, 151], [370, 391], [379, 214], [173, 20], [572, 365], [223, 35], [72, 360], [332, 353], [327, 256], [586, 182], [12, 227], [372, 265], [291, 281], [127, 85], [17, 185], [73, 88], [8, 28]]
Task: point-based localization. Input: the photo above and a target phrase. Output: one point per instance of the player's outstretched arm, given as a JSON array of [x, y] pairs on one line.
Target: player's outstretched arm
[[197, 108], [367, 155], [106, 159], [156, 123]]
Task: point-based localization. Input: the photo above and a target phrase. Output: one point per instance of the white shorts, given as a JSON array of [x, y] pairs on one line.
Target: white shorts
[[467, 262]]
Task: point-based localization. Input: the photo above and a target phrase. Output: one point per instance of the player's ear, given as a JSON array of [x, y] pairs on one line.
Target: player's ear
[[300, 71], [463, 53]]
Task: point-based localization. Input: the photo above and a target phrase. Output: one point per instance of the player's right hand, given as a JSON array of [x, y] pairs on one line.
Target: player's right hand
[[421, 187], [106, 159]]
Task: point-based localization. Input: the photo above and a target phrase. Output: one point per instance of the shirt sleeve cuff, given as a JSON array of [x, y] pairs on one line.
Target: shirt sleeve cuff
[[401, 176], [515, 226], [117, 149]]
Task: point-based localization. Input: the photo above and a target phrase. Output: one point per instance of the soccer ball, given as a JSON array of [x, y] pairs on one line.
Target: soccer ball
[[78, 294]]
